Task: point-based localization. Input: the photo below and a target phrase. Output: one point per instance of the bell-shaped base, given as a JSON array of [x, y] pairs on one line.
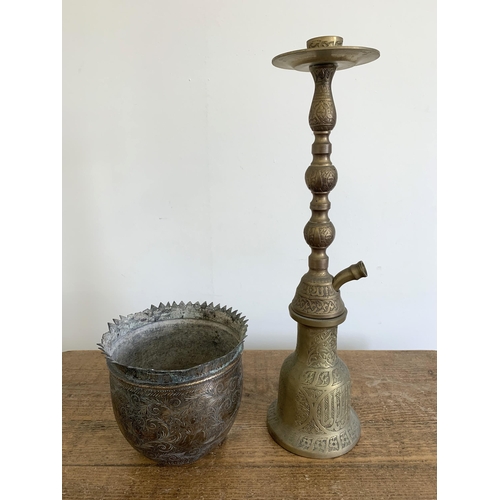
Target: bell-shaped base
[[322, 444]]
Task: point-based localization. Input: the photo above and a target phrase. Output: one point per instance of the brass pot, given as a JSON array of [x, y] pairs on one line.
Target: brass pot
[[176, 378]]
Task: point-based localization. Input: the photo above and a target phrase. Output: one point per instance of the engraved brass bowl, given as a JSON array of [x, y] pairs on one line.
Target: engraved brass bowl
[[176, 378]]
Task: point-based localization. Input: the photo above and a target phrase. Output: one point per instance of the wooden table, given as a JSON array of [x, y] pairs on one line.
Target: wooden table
[[393, 392]]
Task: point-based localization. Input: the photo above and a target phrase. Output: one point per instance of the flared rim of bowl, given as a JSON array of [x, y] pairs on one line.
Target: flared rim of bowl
[[126, 325]]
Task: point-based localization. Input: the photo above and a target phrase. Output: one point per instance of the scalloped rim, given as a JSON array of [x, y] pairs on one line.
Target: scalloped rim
[[168, 312]]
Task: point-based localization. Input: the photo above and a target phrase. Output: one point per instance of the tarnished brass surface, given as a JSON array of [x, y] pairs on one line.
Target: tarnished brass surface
[[326, 49], [176, 378], [313, 416]]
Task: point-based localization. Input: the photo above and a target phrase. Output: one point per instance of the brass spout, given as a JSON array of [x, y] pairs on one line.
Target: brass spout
[[353, 272]]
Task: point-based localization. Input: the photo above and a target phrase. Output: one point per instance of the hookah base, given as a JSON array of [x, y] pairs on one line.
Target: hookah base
[[325, 445]]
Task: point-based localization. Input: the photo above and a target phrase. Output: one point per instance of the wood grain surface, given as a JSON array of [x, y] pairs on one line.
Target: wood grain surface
[[393, 392]]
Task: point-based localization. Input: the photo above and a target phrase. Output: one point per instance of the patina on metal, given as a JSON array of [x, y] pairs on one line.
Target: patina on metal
[[313, 416], [176, 378]]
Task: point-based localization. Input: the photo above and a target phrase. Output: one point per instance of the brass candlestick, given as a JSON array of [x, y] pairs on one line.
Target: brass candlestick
[[313, 416]]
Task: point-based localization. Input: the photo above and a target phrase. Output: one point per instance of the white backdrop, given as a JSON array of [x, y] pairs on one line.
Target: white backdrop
[[184, 153]]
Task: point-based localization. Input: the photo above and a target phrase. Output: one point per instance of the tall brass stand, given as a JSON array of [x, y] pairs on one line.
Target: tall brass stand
[[313, 416]]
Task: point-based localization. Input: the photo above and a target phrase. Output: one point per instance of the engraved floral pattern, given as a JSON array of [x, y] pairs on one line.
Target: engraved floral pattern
[[322, 44], [173, 426], [321, 179], [315, 306], [322, 116], [322, 349], [319, 236], [303, 409]]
